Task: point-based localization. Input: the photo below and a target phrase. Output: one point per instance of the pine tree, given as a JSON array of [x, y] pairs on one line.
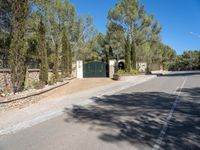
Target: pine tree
[[133, 56], [65, 55], [55, 66], [128, 54], [43, 53], [17, 52]]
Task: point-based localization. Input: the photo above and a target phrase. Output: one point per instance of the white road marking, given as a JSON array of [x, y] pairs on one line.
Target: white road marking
[[165, 126]]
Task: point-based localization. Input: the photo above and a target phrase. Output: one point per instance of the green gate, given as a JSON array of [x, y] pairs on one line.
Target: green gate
[[95, 69]]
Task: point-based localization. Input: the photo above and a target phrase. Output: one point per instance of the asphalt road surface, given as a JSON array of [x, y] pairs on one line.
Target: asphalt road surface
[[163, 113]]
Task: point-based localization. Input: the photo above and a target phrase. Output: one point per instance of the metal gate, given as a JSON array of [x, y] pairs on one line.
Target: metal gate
[[95, 69]]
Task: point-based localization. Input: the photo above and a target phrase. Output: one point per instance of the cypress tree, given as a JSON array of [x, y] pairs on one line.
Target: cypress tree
[[65, 55], [110, 52], [133, 56], [109, 55], [55, 66], [128, 55], [70, 58], [17, 52], [43, 54]]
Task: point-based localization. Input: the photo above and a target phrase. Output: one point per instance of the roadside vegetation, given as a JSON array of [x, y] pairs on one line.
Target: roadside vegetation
[[51, 35], [189, 60], [124, 72]]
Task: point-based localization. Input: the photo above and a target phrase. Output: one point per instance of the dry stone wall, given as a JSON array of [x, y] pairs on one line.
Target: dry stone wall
[[5, 77]]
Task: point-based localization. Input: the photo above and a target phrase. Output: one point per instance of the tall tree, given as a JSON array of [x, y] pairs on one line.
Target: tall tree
[[70, 58], [131, 16], [86, 38], [65, 55], [102, 47], [128, 54], [116, 39], [133, 56], [17, 52], [43, 53], [5, 16], [55, 66], [153, 41]]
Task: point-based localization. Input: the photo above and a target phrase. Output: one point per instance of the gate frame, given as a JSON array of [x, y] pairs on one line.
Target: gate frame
[[79, 68], [96, 74]]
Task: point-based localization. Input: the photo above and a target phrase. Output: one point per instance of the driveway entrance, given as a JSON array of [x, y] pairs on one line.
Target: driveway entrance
[[95, 69]]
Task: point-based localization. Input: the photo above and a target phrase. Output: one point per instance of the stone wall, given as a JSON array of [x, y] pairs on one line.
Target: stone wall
[[5, 77]]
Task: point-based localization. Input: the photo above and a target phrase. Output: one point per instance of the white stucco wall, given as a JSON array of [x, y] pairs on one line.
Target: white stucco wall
[[141, 66], [79, 68]]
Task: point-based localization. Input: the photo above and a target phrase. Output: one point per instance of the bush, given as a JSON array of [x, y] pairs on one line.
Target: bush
[[123, 72], [37, 84], [52, 79], [119, 72], [60, 79], [134, 72], [26, 82]]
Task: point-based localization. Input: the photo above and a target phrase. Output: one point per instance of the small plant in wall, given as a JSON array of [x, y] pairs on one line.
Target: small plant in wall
[[37, 84], [120, 73], [7, 91], [52, 80]]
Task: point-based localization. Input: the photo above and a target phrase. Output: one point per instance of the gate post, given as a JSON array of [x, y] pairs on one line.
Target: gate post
[[79, 68], [111, 68]]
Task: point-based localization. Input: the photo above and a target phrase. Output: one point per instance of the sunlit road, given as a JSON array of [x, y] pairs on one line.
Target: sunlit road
[[163, 113]]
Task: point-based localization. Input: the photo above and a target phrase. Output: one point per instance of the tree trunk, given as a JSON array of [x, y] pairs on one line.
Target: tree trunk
[[128, 55], [133, 56], [55, 66], [43, 54], [65, 55], [17, 53]]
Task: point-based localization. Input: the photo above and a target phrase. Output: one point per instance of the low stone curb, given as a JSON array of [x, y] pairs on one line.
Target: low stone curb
[[33, 93]]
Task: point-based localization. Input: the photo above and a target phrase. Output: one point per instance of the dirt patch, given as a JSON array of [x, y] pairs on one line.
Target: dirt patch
[[78, 85], [74, 86]]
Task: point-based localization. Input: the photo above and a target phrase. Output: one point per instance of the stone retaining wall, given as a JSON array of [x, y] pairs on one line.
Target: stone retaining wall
[[33, 75], [5, 77]]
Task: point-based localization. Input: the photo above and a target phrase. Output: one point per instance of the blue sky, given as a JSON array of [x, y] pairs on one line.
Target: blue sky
[[180, 19]]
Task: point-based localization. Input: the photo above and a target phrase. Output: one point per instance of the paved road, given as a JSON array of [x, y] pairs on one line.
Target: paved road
[[163, 113]]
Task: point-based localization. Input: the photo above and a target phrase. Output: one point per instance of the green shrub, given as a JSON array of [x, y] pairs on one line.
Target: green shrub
[[26, 82], [60, 79], [122, 72], [134, 72], [52, 79], [37, 84], [34, 83]]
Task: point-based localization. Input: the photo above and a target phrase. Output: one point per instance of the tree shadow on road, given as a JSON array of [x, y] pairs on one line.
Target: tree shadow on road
[[138, 118]]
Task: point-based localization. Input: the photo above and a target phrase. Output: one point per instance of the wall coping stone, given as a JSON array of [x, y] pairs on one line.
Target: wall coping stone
[[6, 70]]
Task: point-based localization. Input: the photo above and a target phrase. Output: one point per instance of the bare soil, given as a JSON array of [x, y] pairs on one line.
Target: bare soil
[[77, 85]]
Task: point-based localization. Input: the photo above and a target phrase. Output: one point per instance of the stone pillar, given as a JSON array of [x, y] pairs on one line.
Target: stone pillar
[[79, 69], [74, 69], [111, 68]]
